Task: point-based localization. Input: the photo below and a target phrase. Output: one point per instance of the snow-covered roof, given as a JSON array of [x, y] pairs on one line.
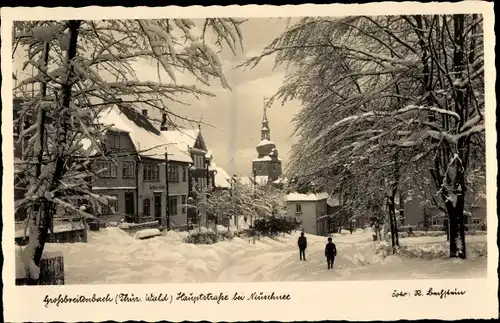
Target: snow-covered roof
[[296, 197], [265, 142], [148, 141], [183, 138], [222, 178], [265, 158]]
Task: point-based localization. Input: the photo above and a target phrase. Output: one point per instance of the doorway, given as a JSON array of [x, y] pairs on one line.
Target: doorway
[[129, 205], [157, 206]]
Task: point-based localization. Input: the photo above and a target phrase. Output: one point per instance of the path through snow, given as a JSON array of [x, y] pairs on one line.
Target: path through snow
[[112, 256]]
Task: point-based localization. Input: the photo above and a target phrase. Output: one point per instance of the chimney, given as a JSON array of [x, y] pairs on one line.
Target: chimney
[[145, 112], [164, 123]]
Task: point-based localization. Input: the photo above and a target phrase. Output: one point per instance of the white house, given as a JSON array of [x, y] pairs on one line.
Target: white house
[[307, 208]]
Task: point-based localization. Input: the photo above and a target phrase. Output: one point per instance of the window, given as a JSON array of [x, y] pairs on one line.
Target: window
[[114, 140], [436, 222], [146, 207], [184, 174], [298, 208], [151, 172], [172, 205], [173, 173], [199, 161], [128, 169], [476, 221], [109, 167], [183, 203], [274, 166]]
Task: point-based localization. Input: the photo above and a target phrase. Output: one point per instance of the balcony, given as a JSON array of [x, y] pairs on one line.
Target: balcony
[[199, 172]]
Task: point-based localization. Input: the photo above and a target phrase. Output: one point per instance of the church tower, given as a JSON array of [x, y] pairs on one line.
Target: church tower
[[267, 164]]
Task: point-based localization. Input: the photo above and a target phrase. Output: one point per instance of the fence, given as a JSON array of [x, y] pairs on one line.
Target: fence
[[63, 233]]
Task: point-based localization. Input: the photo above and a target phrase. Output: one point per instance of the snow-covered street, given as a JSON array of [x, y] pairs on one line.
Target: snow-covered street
[[113, 256]]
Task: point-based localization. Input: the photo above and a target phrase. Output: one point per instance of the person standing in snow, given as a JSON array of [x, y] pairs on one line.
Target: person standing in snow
[[302, 242], [330, 253]]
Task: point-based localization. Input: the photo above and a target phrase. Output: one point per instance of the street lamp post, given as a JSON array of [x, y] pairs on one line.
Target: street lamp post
[[207, 162], [233, 186], [167, 190], [191, 168]]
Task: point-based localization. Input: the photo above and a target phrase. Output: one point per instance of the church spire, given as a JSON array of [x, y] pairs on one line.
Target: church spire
[[265, 132]]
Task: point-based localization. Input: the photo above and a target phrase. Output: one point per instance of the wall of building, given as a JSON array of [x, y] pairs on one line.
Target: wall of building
[[177, 189], [307, 216], [118, 204], [121, 157], [414, 214], [270, 168]]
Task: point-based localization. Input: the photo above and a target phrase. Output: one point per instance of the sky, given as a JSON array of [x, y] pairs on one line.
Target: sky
[[233, 117]]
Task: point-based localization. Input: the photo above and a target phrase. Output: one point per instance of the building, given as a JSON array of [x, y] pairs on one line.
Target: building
[[191, 142], [136, 175], [416, 214], [307, 208], [267, 166]]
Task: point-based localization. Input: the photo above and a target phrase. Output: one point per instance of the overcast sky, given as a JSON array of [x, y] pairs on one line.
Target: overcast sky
[[235, 116]]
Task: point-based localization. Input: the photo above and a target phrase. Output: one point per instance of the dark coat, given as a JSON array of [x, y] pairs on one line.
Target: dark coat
[[302, 242], [330, 250]]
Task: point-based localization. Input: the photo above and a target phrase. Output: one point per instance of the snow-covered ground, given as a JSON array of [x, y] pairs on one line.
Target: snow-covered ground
[[113, 256]]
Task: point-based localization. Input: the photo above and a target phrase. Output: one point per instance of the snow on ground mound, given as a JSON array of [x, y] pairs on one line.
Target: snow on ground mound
[[147, 233], [20, 268], [433, 247], [175, 237]]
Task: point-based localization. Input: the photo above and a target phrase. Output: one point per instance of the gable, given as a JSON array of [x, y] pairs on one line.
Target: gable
[[200, 142]]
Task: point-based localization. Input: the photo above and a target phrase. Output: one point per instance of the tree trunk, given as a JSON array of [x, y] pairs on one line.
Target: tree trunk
[[390, 207], [52, 269], [47, 206]]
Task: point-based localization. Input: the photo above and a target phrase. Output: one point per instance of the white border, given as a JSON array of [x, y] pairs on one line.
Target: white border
[[355, 300]]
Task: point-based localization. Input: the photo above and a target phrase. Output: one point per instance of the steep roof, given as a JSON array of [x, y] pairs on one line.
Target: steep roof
[[297, 197], [222, 178], [147, 139], [184, 138]]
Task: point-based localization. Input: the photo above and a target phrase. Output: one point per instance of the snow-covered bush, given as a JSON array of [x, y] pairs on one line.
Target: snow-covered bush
[[274, 225], [476, 232], [430, 251], [208, 237], [415, 234]]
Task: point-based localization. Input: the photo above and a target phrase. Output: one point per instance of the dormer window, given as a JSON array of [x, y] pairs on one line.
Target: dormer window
[[114, 140]]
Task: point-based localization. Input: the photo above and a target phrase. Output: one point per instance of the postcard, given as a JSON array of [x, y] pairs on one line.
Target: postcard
[[291, 163]]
